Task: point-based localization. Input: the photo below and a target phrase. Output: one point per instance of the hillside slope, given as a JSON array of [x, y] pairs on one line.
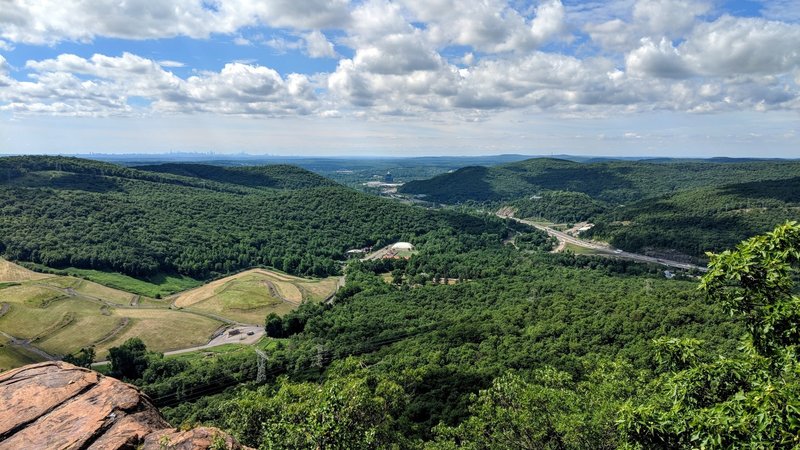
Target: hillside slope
[[69, 212], [679, 209], [705, 219], [615, 182]]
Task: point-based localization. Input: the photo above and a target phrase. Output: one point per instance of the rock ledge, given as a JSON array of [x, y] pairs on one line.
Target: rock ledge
[[57, 405]]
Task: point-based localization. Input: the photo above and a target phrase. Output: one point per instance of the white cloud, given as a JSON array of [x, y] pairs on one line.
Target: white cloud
[[653, 19], [732, 45], [548, 23], [60, 86], [661, 60], [407, 59], [668, 17], [318, 46], [491, 26], [727, 47], [239, 40], [50, 21], [283, 45], [397, 54], [170, 63]]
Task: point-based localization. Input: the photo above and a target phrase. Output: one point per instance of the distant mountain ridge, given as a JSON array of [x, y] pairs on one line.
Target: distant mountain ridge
[[279, 176], [611, 181]]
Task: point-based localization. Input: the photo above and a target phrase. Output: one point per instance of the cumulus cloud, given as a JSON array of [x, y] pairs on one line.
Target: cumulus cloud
[[668, 17], [411, 57], [60, 86], [660, 60], [397, 54], [318, 46], [492, 25], [50, 21], [732, 45], [652, 19], [548, 23], [726, 47]]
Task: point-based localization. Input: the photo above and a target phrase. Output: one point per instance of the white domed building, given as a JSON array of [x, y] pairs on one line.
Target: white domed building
[[403, 246]]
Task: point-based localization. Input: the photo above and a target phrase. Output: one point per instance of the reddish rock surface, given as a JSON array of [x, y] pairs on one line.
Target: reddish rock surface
[[55, 405]]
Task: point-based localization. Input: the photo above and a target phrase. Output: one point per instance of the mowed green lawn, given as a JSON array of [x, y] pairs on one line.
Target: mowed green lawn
[[160, 285]]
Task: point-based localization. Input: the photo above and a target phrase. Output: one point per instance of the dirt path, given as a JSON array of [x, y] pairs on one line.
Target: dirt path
[[339, 284], [26, 344], [275, 293], [122, 324]]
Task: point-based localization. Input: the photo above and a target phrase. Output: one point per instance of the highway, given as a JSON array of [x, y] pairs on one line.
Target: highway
[[610, 251]]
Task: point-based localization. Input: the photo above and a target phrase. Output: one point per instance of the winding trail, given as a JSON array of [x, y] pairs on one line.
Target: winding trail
[[26, 344]]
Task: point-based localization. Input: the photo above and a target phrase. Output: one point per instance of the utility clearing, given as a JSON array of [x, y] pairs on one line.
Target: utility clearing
[[47, 316]]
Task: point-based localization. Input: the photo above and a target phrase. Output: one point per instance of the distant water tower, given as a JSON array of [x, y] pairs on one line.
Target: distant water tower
[[388, 178]]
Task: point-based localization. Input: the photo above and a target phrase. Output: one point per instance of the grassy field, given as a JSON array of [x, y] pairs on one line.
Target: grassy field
[[60, 314], [578, 250], [158, 286], [250, 295], [13, 356], [12, 272]]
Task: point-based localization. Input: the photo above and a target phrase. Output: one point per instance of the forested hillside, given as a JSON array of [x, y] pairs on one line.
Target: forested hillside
[[677, 208], [197, 220], [522, 355], [695, 221], [615, 182]]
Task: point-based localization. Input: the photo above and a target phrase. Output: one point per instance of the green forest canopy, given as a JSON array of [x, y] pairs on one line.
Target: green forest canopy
[[198, 220]]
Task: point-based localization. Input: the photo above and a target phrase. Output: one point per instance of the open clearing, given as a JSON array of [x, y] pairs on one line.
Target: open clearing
[[250, 295], [12, 272], [59, 314]]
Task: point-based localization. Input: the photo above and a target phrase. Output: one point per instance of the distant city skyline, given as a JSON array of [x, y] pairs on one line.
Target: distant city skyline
[[649, 78]]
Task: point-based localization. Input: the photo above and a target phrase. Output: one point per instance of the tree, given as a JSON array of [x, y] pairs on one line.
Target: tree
[[550, 411], [273, 326], [351, 409], [752, 401], [129, 360], [82, 358]]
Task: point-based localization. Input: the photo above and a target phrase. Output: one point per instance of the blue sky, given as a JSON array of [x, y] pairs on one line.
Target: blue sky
[[402, 77]]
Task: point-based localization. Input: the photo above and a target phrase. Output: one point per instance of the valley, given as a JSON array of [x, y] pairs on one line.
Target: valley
[[238, 296]]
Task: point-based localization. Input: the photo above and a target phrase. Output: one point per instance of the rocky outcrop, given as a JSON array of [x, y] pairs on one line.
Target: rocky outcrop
[[55, 405]]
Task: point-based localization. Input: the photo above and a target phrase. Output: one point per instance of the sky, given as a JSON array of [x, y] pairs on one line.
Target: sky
[[680, 78]]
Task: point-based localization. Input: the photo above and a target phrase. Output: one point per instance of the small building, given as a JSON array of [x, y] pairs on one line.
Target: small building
[[357, 252], [669, 275]]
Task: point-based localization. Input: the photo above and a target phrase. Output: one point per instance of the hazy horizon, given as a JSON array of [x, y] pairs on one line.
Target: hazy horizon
[[671, 78]]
